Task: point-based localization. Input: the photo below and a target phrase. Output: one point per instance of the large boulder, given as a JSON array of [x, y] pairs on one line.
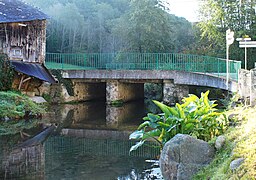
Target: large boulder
[[183, 156]]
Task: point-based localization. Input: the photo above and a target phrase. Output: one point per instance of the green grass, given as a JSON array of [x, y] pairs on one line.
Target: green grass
[[53, 65], [241, 142]]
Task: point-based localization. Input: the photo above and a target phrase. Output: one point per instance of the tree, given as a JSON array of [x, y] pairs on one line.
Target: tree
[[113, 26], [219, 15], [149, 27]]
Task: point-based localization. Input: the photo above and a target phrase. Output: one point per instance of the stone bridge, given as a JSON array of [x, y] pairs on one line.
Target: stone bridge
[[121, 76], [127, 85]]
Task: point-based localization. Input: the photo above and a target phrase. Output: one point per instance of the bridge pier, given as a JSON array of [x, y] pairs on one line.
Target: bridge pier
[[84, 91], [173, 93], [117, 91]]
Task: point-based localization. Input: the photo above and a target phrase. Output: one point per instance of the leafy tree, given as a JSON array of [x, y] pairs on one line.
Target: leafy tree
[[149, 29], [218, 15]]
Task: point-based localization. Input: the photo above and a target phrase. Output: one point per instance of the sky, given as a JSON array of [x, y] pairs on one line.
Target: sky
[[185, 8]]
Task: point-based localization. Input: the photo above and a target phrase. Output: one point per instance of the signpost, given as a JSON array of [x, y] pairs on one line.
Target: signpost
[[229, 41], [244, 43]]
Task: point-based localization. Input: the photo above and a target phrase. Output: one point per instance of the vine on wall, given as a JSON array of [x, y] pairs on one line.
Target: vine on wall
[[6, 73], [66, 82]]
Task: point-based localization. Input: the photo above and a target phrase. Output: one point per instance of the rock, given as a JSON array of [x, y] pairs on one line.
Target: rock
[[38, 99], [236, 163], [231, 117], [6, 118], [183, 156], [220, 141]]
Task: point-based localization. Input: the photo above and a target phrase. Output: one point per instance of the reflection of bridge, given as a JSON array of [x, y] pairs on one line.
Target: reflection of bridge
[[99, 147], [127, 71], [60, 153]]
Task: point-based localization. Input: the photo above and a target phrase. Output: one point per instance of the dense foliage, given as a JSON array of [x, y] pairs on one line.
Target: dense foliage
[[195, 116], [113, 26], [216, 16], [14, 127], [6, 73], [14, 106]]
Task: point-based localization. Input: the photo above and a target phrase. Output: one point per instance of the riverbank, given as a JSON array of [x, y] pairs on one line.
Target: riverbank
[[15, 110], [240, 143]]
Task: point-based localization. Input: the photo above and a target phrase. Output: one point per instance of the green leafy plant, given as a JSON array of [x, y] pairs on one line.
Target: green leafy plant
[[6, 73], [197, 117], [15, 105]]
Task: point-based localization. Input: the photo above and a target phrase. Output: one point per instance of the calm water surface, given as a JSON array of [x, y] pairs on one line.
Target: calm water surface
[[91, 143]]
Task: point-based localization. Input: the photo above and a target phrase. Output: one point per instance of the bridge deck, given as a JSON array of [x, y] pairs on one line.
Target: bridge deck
[[142, 76]]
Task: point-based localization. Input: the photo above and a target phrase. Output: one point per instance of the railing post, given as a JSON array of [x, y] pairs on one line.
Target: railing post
[[84, 56], [204, 68], [157, 61], [62, 61], [218, 67]]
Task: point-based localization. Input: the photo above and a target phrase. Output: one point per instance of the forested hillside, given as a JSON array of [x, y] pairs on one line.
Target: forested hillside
[[113, 26], [146, 26]]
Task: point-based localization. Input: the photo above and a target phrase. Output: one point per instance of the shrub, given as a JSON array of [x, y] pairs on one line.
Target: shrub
[[15, 105], [6, 73], [197, 117]]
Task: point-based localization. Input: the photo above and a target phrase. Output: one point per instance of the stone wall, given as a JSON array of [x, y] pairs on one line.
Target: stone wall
[[244, 79], [253, 87], [247, 85]]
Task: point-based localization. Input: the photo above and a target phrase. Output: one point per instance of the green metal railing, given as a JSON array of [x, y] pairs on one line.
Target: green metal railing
[[143, 61]]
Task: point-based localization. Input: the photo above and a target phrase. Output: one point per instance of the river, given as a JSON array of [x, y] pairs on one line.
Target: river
[[91, 142]]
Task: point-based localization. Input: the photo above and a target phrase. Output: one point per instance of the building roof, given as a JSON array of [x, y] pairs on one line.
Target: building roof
[[33, 69], [18, 11]]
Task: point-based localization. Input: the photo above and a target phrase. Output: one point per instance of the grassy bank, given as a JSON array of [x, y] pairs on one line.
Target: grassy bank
[[240, 142], [14, 108]]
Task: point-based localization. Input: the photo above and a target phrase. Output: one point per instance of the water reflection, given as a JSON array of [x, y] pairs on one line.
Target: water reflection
[[81, 158], [98, 115], [91, 143], [94, 144], [22, 163]]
